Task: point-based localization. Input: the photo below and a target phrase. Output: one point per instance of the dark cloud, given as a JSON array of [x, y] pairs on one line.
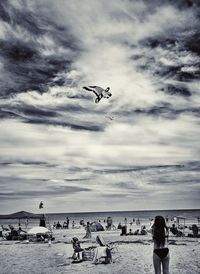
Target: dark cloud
[[140, 168], [183, 167], [5, 163], [21, 17], [177, 90], [24, 163], [77, 180], [178, 181], [164, 55], [53, 191], [116, 196], [164, 110], [57, 117], [60, 115], [181, 4], [30, 110], [75, 126], [192, 44], [193, 165], [25, 65]]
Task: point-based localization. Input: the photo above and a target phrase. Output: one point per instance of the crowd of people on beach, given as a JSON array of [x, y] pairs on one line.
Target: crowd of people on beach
[[159, 231], [159, 228], [12, 233], [107, 224], [72, 224]]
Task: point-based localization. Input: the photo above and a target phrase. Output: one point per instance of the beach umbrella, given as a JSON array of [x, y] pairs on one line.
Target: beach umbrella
[[38, 230], [96, 226]]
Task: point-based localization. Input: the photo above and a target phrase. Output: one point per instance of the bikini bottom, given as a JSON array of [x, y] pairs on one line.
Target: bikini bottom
[[161, 252]]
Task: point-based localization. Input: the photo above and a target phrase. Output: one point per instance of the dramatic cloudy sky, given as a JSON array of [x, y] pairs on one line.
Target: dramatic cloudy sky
[[138, 150]]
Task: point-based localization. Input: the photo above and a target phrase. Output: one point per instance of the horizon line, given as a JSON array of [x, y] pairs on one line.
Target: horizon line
[[114, 211]]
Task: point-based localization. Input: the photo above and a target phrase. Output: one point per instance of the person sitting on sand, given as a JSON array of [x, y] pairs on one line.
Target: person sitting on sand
[[130, 232], [102, 251], [160, 249], [11, 227], [136, 232], [143, 230], [40, 237], [13, 234], [82, 222], [175, 231], [21, 231], [58, 225], [119, 226]]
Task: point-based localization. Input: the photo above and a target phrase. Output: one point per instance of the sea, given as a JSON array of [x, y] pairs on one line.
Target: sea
[[190, 216]]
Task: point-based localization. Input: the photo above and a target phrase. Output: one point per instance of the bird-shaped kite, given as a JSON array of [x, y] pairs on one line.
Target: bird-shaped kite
[[99, 92]]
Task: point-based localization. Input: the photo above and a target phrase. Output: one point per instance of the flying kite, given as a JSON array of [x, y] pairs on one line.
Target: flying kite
[[99, 92], [41, 205]]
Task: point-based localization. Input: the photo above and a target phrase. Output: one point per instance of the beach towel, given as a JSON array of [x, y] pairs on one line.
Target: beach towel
[[100, 252]]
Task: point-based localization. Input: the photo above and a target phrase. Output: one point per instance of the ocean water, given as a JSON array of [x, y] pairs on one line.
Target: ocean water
[[117, 217]]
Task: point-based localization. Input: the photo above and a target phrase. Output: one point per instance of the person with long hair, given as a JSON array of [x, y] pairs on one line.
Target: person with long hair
[[160, 249]]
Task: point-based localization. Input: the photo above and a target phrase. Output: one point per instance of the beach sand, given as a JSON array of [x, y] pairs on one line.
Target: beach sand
[[133, 254]]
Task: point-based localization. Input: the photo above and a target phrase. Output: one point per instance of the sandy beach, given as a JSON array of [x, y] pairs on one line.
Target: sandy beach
[[132, 254]]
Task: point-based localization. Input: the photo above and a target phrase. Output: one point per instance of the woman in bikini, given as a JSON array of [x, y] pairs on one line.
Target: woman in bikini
[[161, 251]]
